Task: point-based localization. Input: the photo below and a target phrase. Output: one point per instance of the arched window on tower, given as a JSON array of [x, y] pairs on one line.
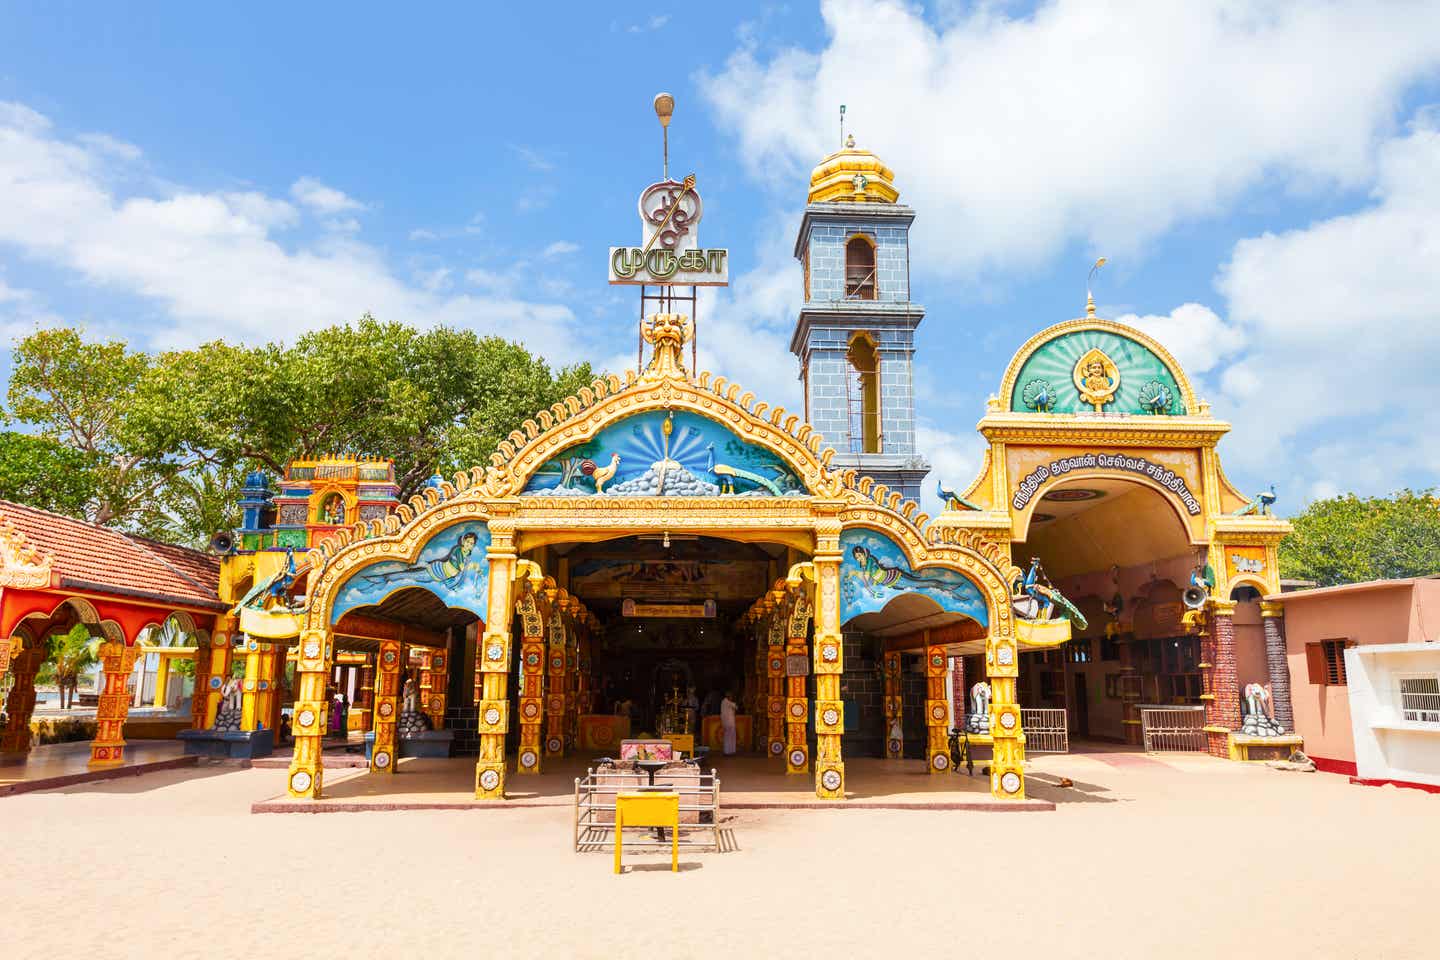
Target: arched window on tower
[[862, 385], [859, 268]]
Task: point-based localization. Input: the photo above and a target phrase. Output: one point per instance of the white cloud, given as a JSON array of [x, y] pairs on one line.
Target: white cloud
[[421, 235], [323, 199], [211, 262], [559, 248], [1194, 333], [954, 461], [1018, 134], [654, 23], [533, 158]]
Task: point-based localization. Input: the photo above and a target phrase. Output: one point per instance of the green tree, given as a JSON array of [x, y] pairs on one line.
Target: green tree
[[76, 393], [1352, 539], [71, 656], [430, 400], [44, 473]]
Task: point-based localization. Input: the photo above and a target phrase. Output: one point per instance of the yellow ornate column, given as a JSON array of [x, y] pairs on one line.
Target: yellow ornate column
[[531, 608], [221, 653], [314, 655], [387, 706], [24, 664], [774, 686], [894, 707], [937, 709], [829, 663], [556, 706], [366, 696], [108, 748], [797, 704], [250, 687], [434, 687], [493, 665], [1002, 669], [162, 681], [265, 712]]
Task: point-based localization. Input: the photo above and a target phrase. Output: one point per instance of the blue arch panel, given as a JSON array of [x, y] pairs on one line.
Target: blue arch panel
[[451, 565], [874, 571]]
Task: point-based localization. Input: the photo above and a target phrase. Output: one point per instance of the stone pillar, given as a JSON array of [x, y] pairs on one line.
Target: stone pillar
[[556, 683], [118, 662], [389, 671], [1002, 669], [937, 710], [1222, 706], [532, 680], [492, 661], [315, 654], [774, 687], [759, 706], [829, 661], [1272, 618], [200, 699], [20, 706], [1130, 691], [797, 704], [894, 708], [434, 686]]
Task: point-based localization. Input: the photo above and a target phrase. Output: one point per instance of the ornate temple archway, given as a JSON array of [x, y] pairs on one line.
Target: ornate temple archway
[[660, 453]]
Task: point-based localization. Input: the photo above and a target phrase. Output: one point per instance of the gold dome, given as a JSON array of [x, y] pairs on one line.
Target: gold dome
[[854, 176]]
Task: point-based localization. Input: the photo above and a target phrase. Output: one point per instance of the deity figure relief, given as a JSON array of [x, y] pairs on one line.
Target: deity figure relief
[[459, 568], [333, 509], [1097, 378]]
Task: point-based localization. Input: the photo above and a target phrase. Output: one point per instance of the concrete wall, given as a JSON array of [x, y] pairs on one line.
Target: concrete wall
[[1359, 616], [1387, 747]]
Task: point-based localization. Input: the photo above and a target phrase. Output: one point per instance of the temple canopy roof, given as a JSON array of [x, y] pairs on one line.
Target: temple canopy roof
[[852, 176]]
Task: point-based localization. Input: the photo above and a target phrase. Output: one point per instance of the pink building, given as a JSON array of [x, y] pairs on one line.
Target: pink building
[[1370, 713]]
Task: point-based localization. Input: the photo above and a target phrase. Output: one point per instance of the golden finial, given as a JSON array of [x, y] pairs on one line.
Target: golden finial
[[1089, 297]]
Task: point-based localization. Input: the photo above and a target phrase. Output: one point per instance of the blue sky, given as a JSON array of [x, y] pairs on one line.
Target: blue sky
[[1265, 178]]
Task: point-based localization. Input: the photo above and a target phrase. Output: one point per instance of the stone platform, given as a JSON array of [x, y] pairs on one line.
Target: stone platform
[[746, 783]]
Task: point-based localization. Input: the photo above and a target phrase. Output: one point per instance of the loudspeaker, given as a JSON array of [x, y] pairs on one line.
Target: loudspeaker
[[222, 542], [1194, 597]]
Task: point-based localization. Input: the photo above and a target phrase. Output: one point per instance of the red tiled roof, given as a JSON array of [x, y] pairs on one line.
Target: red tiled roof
[[105, 560]]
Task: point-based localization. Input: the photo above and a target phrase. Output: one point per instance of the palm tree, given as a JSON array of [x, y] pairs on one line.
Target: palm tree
[[71, 656]]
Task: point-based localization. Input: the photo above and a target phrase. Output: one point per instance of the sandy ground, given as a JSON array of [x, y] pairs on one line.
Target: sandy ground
[[1187, 857]]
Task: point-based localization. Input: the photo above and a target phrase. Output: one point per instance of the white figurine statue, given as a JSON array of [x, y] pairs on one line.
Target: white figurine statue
[[232, 693], [1257, 700], [409, 697], [980, 699]]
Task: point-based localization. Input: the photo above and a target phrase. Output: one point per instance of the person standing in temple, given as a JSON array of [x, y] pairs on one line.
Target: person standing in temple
[[727, 723]]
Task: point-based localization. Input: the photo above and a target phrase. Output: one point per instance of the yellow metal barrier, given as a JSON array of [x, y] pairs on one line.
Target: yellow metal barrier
[[648, 810]]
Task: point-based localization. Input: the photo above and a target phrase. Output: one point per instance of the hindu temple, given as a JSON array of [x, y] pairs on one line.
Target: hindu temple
[[666, 536]]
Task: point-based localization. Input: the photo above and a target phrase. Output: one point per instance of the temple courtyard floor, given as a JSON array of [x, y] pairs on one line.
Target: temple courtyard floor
[[1174, 856]]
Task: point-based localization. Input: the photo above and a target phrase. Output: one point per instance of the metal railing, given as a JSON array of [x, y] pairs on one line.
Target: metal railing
[[1047, 729], [595, 805], [1173, 729]]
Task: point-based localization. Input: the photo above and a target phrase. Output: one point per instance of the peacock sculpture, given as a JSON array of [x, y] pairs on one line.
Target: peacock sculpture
[[1260, 506], [1038, 395], [953, 500], [1155, 397], [725, 475]]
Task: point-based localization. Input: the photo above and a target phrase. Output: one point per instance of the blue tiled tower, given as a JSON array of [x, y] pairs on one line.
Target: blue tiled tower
[[855, 336]]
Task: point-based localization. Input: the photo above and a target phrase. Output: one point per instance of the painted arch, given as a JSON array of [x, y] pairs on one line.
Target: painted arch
[[1137, 375], [874, 571], [450, 563], [665, 453]]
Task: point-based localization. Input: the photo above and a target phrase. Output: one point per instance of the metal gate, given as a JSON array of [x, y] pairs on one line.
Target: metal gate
[[1174, 728], [1046, 730]]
